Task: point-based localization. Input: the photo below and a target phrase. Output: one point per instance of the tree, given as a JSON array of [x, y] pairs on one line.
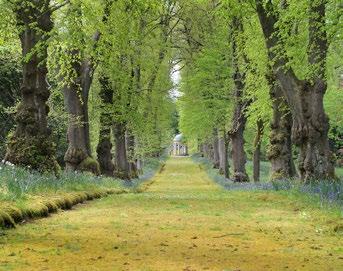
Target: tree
[[304, 96], [31, 143], [239, 119], [10, 78], [104, 147], [205, 106], [76, 93], [280, 149]]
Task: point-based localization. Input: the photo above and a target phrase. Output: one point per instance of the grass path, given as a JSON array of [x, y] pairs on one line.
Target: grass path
[[183, 222]]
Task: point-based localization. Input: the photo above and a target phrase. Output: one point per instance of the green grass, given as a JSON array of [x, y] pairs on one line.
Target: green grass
[[322, 193], [25, 194], [17, 183], [184, 221]]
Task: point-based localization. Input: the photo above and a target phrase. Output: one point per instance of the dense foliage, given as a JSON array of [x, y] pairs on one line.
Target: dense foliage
[[258, 79]]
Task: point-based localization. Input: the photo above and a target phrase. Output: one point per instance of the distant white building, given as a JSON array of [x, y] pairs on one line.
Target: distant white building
[[179, 146]]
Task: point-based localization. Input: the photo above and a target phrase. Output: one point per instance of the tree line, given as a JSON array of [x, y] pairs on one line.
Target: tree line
[[264, 75], [98, 71], [257, 76]]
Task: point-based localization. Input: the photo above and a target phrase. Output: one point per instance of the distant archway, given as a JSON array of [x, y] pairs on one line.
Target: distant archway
[[180, 147]]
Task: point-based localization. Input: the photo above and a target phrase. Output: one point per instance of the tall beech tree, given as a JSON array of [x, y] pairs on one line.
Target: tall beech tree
[[78, 155], [223, 153], [216, 151], [134, 55], [257, 150], [304, 96], [104, 148], [31, 143], [76, 92], [239, 118], [205, 106]]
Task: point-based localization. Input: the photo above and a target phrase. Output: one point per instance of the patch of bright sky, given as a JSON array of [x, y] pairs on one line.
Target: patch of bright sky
[[175, 75]]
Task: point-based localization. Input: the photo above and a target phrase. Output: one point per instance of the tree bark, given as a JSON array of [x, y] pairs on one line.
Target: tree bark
[[76, 95], [104, 149], [257, 150], [130, 147], [223, 154], [121, 161], [239, 118], [207, 150], [305, 97], [280, 149], [140, 165], [78, 156], [216, 159], [237, 146], [31, 143]]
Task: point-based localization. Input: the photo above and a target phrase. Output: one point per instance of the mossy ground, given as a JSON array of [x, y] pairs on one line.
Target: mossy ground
[[182, 222]]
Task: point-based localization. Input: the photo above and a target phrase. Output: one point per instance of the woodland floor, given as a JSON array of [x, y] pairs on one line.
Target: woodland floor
[[182, 222]]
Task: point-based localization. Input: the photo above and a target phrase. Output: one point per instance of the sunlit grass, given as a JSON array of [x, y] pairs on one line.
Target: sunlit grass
[[322, 192], [17, 183], [184, 221], [25, 194]]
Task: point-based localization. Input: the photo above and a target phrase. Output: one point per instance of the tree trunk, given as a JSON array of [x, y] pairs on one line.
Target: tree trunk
[[78, 156], [157, 132], [31, 143], [257, 151], [206, 151], [201, 149], [76, 94], [216, 158], [104, 149], [139, 158], [305, 97], [237, 145], [211, 151], [239, 119], [186, 150], [140, 165], [130, 147], [223, 154], [121, 161], [280, 149]]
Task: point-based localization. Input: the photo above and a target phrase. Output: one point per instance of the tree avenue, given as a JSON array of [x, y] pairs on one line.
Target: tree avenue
[[260, 81]]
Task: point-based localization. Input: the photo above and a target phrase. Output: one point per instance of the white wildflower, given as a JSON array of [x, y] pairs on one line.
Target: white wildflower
[[7, 163]]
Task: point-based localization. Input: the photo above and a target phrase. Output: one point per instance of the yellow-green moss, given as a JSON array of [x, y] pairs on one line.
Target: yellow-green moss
[[36, 210], [37, 152], [42, 206], [51, 205], [278, 175], [14, 213], [90, 165], [6, 221]]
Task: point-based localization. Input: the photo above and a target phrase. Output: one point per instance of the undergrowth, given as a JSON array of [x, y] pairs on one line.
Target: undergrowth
[[17, 183], [320, 192], [26, 194]]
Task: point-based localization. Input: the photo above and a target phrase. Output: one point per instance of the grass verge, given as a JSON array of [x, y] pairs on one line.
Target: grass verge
[[323, 194], [26, 195]]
